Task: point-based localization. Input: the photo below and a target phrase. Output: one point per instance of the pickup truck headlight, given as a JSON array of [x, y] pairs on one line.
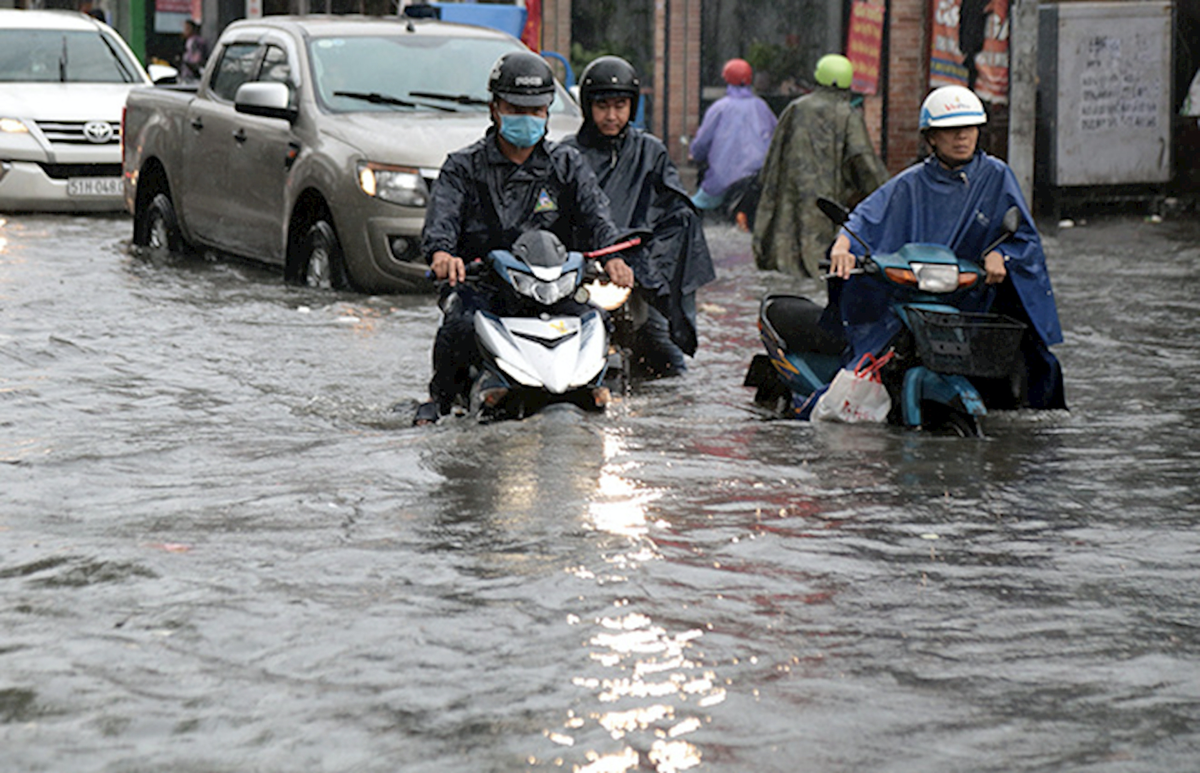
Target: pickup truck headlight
[[397, 184], [13, 126]]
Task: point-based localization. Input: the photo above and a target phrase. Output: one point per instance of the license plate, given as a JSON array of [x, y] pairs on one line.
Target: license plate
[[94, 186]]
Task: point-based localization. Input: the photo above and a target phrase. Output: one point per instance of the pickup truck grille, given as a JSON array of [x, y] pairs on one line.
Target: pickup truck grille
[[81, 132]]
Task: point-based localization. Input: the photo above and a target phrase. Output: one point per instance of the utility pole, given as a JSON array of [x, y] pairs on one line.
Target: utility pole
[[1022, 91]]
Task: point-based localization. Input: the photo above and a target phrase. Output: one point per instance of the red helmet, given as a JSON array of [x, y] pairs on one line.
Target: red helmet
[[737, 72]]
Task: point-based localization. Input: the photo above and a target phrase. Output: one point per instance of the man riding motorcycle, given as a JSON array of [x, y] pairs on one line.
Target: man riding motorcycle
[[511, 181], [957, 197], [645, 193]]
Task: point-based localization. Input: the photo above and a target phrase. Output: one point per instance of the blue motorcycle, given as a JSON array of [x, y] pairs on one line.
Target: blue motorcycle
[[939, 356]]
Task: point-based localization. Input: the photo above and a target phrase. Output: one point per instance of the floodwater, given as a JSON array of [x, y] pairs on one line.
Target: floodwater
[[222, 550]]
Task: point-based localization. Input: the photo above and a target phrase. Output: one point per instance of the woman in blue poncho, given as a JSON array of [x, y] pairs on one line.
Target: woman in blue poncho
[[956, 197]]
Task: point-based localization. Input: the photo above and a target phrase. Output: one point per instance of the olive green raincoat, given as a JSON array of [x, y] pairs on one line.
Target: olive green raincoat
[[820, 148]]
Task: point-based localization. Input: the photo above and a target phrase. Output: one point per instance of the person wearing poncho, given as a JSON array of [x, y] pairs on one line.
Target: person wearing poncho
[[957, 197], [820, 148], [645, 192]]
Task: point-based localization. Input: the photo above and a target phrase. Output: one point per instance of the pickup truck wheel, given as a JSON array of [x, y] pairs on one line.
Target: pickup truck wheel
[[162, 229], [323, 264]]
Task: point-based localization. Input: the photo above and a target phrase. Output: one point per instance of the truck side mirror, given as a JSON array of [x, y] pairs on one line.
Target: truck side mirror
[[162, 73], [269, 99]]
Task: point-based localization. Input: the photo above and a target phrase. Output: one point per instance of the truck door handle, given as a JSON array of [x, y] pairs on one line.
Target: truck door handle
[[197, 123], [240, 135]]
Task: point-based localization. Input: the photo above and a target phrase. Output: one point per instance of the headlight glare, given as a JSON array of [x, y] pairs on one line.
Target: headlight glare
[[397, 184], [13, 126]]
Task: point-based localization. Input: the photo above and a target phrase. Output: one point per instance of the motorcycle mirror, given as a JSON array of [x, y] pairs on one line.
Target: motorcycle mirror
[[839, 215], [1011, 224], [1012, 220], [834, 211]]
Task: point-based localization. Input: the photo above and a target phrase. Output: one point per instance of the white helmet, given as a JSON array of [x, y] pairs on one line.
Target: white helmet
[[951, 106]]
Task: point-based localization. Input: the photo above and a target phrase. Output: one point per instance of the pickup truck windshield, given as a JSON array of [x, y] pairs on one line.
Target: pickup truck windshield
[[417, 73], [57, 56]]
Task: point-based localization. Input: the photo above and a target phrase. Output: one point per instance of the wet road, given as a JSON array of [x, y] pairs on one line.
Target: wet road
[[220, 550]]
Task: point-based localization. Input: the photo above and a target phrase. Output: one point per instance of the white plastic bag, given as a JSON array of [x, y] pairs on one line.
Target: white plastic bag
[[856, 396]]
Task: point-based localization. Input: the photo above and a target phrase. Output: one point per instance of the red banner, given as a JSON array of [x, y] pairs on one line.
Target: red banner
[[532, 34], [864, 42], [969, 47]]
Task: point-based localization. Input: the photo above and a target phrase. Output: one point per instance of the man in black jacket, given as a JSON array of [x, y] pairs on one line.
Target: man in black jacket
[[645, 193], [511, 181]]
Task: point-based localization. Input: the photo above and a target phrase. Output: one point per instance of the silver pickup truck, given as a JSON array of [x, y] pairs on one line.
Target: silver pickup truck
[[311, 142]]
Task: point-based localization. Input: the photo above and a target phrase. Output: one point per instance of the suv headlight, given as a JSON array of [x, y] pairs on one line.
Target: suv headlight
[[397, 184], [13, 126]]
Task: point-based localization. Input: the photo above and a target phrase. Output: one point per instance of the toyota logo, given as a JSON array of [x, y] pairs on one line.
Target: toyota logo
[[98, 132]]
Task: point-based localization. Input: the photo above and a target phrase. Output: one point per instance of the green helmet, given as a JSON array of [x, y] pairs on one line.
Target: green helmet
[[834, 70]]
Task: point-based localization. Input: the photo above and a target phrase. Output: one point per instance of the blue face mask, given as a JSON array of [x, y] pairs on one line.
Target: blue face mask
[[524, 131]]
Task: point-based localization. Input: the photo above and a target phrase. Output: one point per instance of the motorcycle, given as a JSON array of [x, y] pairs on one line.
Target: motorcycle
[[935, 364], [551, 345]]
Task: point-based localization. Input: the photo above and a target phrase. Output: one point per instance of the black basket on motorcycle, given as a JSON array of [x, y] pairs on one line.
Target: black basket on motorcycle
[[966, 343]]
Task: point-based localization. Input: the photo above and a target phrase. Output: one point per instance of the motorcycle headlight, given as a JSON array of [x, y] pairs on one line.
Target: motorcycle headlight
[[936, 277], [397, 184], [544, 293]]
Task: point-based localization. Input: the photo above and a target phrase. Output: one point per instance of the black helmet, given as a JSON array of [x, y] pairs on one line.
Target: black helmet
[[522, 78], [609, 76]]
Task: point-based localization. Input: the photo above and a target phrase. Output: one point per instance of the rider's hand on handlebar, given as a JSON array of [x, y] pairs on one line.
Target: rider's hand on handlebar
[[446, 266], [841, 259], [619, 272], [993, 264], [842, 263]]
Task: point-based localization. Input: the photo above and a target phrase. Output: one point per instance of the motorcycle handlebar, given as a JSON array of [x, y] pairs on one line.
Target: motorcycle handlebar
[[861, 267], [618, 247], [473, 269]]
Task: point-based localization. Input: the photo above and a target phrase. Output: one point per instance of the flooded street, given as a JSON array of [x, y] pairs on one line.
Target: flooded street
[[221, 550]]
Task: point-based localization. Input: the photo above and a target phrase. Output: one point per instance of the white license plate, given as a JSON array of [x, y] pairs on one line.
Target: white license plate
[[94, 186]]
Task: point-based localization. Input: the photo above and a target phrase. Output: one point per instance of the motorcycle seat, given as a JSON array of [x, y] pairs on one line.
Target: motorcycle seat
[[795, 319]]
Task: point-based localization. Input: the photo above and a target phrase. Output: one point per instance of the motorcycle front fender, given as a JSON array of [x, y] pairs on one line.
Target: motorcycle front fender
[[922, 384]]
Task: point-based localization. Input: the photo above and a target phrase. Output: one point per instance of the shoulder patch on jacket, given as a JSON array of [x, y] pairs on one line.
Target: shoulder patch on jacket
[[545, 203]]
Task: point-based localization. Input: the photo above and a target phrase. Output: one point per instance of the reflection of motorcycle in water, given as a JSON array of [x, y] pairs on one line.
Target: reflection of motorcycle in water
[[942, 359], [548, 344]]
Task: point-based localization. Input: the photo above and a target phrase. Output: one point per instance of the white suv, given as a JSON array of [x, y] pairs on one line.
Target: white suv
[[63, 81]]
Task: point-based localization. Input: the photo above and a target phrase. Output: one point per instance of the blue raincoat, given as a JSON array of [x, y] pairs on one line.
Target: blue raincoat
[[963, 209]]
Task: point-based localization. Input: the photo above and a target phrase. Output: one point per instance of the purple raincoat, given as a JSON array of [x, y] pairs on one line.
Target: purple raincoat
[[733, 138]]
